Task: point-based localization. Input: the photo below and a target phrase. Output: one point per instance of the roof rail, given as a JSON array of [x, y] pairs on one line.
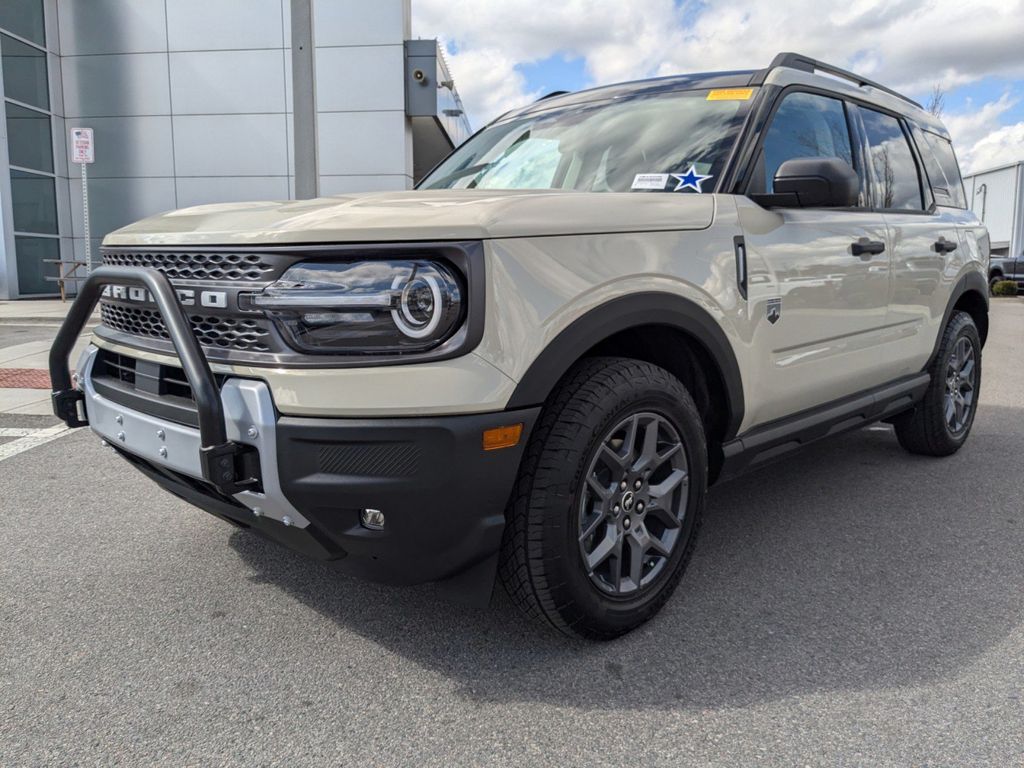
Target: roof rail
[[552, 95], [807, 64]]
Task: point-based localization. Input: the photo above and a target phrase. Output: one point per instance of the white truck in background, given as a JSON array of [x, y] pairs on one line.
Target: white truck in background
[[997, 197]]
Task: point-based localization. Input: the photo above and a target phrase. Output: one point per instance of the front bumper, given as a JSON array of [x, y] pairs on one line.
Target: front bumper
[[306, 481], [443, 496]]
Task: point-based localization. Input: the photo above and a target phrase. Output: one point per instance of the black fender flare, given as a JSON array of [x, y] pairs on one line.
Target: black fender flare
[[975, 282], [621, 314]]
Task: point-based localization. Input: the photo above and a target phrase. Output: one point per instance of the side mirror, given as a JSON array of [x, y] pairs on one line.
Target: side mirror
[[814, 182]]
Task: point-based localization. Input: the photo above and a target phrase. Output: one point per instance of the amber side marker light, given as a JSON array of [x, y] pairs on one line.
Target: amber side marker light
[[502, 437]]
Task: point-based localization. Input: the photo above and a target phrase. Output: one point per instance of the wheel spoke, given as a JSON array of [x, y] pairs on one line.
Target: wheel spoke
[[669, 484], [656, 544], [629, 442], [666, 517], [616, 564], [605, 549], [591, 529], [649, 450], [950, 410], [603, 491], [967, 371], [611, 459], [636, 562]]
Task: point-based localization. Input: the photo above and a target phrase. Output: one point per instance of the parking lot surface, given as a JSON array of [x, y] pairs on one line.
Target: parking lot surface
[[853, 605]]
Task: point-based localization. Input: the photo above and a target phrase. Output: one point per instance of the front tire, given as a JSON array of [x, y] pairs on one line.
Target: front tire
[[940, 423], [607, 506]]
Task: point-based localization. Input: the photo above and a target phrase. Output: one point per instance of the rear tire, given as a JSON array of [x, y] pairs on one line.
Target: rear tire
[[993, 279], [604, 515], [940, 423]]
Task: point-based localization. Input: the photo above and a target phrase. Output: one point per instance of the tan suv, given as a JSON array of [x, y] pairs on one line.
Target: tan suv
[[535, 363]]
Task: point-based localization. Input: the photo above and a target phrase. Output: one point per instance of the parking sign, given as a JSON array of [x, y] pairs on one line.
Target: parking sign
[[82, 149]]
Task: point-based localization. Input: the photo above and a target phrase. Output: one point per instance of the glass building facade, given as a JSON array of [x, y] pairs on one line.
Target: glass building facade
[[191, 103], [28, 118]]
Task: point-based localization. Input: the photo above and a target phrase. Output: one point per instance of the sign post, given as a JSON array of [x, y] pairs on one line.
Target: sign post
[[83, 152]]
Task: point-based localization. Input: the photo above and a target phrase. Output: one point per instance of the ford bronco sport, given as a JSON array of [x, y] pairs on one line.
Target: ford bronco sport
[[533, 365]]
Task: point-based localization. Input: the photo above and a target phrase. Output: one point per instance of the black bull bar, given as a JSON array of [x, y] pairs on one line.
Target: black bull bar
[[229, 466]]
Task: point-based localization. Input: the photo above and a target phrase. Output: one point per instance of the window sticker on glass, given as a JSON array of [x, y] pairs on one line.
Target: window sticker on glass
[[690, 180], [650, 181], [730, 94]]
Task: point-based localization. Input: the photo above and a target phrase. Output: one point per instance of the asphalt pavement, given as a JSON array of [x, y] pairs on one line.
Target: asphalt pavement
[[853, 605]]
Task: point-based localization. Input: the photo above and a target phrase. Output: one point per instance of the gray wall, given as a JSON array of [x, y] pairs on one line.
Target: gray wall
[[190, 106]]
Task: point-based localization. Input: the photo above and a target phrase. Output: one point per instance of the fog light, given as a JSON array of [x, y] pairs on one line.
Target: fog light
[[372, 519]]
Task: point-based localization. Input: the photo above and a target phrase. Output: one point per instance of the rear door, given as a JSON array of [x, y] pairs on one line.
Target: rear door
[[924, 238], [817, 307]]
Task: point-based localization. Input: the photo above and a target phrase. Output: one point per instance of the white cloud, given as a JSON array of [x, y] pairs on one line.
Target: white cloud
[[488, 82], [1000, 147], [975, 128], [909, 44]]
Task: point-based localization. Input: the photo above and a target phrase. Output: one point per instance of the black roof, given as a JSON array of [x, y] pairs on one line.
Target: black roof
[[700, 80], [735, 79]]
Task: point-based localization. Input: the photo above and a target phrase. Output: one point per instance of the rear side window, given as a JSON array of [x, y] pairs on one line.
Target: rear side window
[[941, 166], [805, 125], [896, 185]]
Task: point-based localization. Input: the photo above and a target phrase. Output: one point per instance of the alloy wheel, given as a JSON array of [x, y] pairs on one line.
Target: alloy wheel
[[961, 376], [633, 504]]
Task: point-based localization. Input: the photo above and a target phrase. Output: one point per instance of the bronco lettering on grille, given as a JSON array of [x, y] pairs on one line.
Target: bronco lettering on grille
[[187, 296]]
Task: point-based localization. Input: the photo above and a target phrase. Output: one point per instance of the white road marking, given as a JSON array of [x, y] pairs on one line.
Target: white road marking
[[27, 442], [16, 432]]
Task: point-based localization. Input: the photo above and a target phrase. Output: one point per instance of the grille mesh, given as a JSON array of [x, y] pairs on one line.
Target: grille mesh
[[226, 332], [370, 459], [196, 266]]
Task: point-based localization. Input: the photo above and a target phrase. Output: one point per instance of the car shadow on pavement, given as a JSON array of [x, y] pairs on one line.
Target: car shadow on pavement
[[854, 566]]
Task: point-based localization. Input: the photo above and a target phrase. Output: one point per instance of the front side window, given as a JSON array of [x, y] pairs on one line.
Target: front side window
[[638, 143], [896, 184], [804, 125]]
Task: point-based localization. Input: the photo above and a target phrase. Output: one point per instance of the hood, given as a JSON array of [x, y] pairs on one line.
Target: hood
[[420, 215]]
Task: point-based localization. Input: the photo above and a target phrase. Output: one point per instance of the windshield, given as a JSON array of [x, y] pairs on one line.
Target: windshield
[[674, 141]]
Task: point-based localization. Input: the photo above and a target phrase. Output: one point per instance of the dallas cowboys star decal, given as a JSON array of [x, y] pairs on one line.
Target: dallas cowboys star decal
[[689, 180]]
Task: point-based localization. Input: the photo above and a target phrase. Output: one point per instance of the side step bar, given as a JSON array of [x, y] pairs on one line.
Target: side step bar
[[229, 466], [778, 438]]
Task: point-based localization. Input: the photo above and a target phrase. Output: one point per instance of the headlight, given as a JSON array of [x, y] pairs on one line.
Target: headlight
[[370, 307]]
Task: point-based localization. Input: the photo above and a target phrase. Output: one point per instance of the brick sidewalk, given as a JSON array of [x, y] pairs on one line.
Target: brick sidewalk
[[24, 378]]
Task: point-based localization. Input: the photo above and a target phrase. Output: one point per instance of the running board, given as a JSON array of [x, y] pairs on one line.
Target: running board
[[779, 438]]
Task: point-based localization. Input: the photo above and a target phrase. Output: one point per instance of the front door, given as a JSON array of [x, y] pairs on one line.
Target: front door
[[818, 279]]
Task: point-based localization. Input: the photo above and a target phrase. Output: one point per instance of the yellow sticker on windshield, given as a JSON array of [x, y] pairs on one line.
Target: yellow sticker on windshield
[[730, 94]]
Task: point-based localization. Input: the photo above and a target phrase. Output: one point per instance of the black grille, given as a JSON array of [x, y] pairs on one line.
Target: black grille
[[154, 388], [237, 333], [197, 266]]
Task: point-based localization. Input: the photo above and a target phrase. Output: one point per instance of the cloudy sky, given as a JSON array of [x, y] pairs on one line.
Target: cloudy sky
[[508, 52]]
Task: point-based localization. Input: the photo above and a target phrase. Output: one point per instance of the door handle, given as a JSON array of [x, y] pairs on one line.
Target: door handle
[[866, 248], [942, 245]]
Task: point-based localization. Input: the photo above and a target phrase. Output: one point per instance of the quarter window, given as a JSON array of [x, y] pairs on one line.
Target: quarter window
[[942, 168], [805, 125], [896, 184]]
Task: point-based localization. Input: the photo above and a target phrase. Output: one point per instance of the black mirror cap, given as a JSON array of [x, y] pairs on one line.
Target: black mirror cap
[[817, 182]]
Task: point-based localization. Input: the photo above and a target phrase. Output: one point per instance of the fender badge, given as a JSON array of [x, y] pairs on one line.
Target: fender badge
[[773, 310]]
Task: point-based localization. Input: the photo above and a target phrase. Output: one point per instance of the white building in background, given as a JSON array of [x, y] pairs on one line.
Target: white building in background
[[194, 101], [996, 195]]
